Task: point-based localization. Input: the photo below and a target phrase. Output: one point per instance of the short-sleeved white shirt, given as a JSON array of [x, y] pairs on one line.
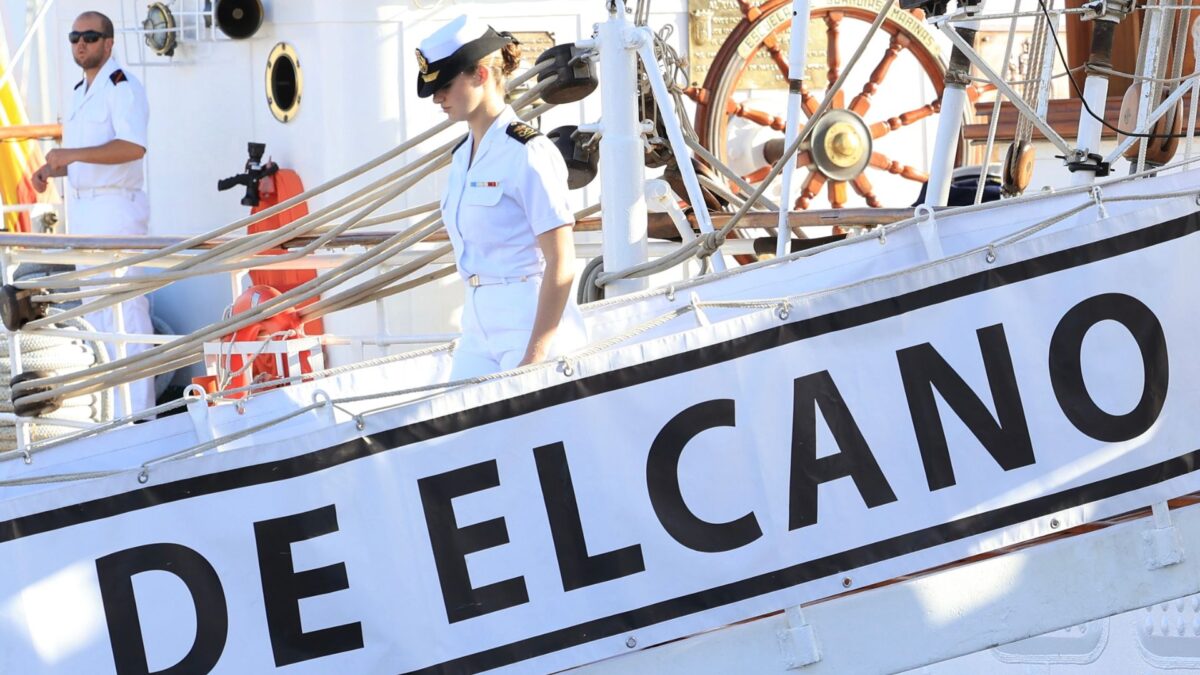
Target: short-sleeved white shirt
[[113, 107], [496, 205]]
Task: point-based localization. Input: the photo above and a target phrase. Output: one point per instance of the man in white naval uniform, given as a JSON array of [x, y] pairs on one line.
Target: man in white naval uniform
[[104, 140]]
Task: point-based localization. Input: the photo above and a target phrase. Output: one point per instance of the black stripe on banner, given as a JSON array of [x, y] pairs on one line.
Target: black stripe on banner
[[582, 388], [838, 563]]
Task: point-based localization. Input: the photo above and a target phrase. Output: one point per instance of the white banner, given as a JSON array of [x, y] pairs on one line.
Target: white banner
[[672, 487]]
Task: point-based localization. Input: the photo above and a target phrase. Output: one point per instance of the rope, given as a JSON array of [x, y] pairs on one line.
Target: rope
[[981, 181], [724, 170], [153, 358], [58, 354], [375, 196], [1031, 89], [851, 241], [57, 478], [218, 442], [1145, 78]]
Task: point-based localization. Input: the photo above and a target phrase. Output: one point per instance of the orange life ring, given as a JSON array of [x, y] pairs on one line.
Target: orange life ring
[[284, 325]]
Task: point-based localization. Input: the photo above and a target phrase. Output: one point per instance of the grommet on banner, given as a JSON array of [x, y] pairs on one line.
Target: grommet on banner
[[28, 458], [671, 293], [568, 366], [991, 254], [784, 311], [1098, 198], [144, 475], [882, 235]]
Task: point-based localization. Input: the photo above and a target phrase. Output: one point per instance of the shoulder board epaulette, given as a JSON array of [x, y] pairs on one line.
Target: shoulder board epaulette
[[522, 132], [117, 77], [460, 144], [79, 84]]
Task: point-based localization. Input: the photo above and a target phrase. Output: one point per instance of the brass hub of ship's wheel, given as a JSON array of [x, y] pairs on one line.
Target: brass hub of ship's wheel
[[841, 145]]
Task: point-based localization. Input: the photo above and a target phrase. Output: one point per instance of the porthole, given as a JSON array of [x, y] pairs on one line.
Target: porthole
[[285, 83]]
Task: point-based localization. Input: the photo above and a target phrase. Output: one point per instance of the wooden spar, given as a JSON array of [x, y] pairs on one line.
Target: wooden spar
[[28, 132]]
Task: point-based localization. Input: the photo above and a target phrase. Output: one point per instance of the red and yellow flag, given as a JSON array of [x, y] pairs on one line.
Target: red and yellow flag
[[19, 158]]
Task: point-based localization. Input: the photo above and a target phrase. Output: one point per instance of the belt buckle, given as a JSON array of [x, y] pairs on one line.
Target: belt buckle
[[473, 281]]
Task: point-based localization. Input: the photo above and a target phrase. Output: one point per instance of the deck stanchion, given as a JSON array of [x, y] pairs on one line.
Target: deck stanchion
[[954, 102], [622, 157], [1095, 93], [797, 54]]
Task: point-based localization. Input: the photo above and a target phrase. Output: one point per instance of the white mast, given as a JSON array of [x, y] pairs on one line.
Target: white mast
[[622, 156]]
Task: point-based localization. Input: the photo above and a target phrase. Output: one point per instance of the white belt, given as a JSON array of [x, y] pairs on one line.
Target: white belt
[[476, 280], [97, 192]]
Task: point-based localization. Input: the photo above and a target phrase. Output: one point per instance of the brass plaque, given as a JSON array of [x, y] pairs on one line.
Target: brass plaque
[[533, 43], [712, 21]]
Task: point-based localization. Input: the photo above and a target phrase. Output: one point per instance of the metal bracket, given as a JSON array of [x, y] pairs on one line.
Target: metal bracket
[[1109, 10], [1082, 160], [1162, 545], [798, 642]]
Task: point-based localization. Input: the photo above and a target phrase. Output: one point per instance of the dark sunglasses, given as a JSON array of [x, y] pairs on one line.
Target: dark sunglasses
[[89, 36]]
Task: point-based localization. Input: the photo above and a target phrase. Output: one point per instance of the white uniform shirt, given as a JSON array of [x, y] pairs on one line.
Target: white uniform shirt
[[495, 208], [113, 107]]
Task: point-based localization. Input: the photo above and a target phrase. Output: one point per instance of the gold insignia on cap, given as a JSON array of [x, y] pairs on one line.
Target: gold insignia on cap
[[422, 63]]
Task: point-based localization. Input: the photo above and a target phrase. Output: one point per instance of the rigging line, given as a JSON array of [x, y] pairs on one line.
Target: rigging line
[[1079, 92]]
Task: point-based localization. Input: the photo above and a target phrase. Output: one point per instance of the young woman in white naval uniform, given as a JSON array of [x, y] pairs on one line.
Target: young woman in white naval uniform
[[505, 208]]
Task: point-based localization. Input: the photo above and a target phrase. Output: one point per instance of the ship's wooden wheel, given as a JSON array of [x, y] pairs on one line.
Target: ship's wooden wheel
[[846, 143]]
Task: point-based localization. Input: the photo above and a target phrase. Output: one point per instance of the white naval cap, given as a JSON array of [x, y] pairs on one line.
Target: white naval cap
[[453, 49]]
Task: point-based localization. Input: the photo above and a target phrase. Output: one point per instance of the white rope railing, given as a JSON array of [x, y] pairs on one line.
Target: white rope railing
[[781, 307], [153, 360]]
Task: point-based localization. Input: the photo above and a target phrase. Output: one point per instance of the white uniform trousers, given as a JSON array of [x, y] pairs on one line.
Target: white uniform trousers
[[496, 325], [123, 214]]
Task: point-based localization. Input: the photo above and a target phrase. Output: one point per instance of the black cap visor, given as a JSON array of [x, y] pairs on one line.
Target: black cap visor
[[438, 74]]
